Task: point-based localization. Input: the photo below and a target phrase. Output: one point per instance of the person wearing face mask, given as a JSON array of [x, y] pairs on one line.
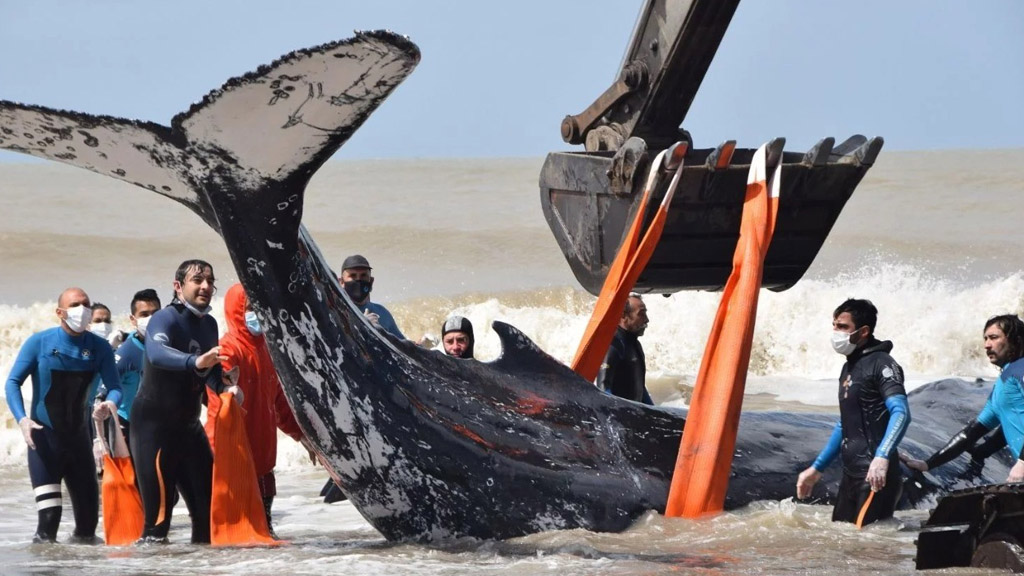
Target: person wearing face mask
[[457, 337], [102, 325], [244, 347], [358, 283], [62, 363], [1004, 345], [624, 370], [873, 417], [168, 444], [130, 358]]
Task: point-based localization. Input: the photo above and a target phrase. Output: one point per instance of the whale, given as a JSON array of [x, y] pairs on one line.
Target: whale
[[427, 448]]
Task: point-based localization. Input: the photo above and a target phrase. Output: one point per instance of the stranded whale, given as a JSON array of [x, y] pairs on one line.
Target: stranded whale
[[427, 447]]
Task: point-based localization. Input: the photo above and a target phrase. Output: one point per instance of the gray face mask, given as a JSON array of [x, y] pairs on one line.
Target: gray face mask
[[841, 343]]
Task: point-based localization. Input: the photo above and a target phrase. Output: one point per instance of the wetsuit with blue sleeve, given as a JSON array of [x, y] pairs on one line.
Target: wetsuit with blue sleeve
[[1005, 407], [130, 358], [62, 367], [168, 444], [874, 416]]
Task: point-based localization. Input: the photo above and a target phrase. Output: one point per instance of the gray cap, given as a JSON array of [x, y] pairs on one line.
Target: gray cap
[[355, 261]]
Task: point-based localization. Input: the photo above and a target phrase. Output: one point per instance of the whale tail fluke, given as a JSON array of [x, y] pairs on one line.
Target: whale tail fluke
[[264, 133]]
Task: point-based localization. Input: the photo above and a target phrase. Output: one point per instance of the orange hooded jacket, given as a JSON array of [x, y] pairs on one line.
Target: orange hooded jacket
[[264, 403]]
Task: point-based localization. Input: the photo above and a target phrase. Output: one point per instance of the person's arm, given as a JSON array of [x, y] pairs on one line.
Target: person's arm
[[959, 443], [831, 449], [899, 420], [989, 446], [808, 478], [606, 376], [23, 366], [284, 417], [161, 354], [387, 322], [109, 375]]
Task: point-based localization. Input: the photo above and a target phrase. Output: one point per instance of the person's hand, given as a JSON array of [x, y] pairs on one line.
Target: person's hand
[[104, 410], [919, 465], [115, 339], [373, 317], [805, 482], [210, 358], [98, 452], [876, 473], [237, 391], [27, 426], [1017, 472]]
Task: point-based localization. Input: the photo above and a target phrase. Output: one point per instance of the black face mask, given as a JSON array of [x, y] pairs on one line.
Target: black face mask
[[358, 290]]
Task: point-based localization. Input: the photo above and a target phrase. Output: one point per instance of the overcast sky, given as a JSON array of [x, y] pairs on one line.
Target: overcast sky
[[497, 78]]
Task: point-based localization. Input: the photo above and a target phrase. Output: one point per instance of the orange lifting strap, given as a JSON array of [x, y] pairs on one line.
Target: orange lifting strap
[[122, 506], [236, 508], [629, 262], [701, 475]]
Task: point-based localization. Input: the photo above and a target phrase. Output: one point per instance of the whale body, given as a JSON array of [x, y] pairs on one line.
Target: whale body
[[425, 446]]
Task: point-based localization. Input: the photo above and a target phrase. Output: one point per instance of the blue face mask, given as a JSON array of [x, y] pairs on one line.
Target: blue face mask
[[253, 323]]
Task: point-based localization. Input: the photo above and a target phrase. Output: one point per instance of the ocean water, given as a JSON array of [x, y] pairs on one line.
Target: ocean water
[[931, 237]]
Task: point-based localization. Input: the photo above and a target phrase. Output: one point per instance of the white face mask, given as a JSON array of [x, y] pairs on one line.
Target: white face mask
[[101, 329], [77, 318], [252, 323], [841, 343], [140, 325]]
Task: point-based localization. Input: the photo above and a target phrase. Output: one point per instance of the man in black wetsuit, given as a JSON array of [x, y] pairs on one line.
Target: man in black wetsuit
[[625, 367], [169, 446], [62, 363], [873, 416]]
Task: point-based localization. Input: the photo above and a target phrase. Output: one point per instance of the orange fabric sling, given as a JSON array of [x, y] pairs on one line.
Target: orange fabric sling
[[701, 474], [237, 517], [629, 262], [123, 518]]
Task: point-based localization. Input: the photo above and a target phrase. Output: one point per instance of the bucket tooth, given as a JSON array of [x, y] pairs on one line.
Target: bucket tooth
[[721, 157], [847, 146], [818, 155]]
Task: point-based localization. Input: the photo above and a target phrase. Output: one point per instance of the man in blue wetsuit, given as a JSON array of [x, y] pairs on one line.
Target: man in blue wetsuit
[[62, 363], [873, 416], [1004, 346], [358, 283], [130, 357], [169, 446]]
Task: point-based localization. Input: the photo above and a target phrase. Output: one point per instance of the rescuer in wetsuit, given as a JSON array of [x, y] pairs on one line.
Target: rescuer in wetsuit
[[130, 358], [169, 446], [1004, 345], [873, 417], [457, 337], [62, 363], [624, 369]]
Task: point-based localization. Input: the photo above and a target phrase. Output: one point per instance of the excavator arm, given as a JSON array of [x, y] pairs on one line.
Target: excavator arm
[[590, 197]]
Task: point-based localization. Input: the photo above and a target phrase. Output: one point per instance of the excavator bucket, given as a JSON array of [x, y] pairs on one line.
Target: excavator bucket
[[590, 197], [589, 218], [981, 527]]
